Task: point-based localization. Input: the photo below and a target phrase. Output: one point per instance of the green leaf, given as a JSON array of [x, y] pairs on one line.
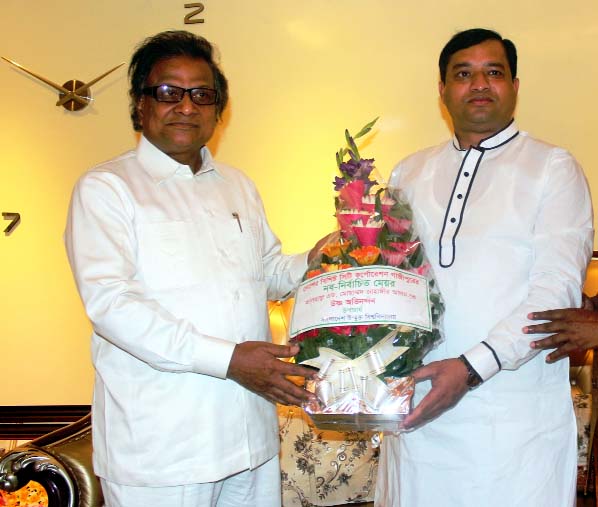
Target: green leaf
[[378, 203], [417, 257], [348, 137], [340, 156], [365, 129], [353, 151]]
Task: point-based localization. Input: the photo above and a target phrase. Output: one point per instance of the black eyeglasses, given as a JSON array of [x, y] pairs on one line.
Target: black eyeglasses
[[168, 93]]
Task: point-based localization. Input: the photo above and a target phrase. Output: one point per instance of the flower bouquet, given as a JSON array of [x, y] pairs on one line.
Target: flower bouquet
[[368, 309]]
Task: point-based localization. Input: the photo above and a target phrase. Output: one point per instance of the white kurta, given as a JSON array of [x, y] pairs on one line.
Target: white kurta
[[174, 269], [512, 224]]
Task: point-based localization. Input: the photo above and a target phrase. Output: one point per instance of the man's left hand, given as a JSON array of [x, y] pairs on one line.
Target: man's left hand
[[315, 251], [255, 366], [575, 329], [449, 385]]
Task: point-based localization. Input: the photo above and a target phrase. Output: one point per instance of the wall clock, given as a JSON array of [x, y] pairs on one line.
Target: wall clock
[[73, 95]]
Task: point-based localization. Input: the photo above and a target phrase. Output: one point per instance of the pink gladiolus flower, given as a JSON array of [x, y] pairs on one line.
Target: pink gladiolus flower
[[397, 225], [352, 193], [346, 221], [367, 235], [422, 270], [392, 257], [406, 247], [369, 203]]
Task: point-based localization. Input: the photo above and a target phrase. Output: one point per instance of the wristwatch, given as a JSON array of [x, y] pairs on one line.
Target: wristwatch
[[473, 377]]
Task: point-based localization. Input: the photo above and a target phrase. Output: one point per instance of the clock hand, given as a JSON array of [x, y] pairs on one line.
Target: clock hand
[[54, 85], [83, 88]]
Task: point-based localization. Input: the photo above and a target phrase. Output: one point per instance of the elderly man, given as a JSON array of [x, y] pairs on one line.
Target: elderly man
[[506, 221], [174, 261]]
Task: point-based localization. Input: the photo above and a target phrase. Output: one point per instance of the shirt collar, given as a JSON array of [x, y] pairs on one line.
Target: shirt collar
[[161, 167], [494, 141]]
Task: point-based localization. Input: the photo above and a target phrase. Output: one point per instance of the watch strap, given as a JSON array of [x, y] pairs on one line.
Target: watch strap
[[473, 378]]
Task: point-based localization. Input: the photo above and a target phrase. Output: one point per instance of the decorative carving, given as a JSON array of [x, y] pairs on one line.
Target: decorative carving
[[17, 468]]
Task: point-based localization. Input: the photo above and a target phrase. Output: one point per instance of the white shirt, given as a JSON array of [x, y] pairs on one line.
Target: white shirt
[[520, 242], [174, 269]]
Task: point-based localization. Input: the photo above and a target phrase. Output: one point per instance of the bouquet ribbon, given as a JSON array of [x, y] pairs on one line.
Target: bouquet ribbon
[[340, 375]]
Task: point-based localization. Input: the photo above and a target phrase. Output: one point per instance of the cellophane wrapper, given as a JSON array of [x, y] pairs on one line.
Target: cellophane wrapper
[[356, 388]]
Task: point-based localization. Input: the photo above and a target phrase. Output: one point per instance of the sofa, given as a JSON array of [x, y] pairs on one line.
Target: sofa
[[319, 468], [61, 462], [584, 381]]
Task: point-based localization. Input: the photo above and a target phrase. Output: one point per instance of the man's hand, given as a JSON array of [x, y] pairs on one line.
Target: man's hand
[[575, 329], [329, 238], [449, 385], [589, 302], [255, 366]]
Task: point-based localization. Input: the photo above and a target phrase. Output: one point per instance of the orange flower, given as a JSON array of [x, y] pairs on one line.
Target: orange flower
[[313, 272], [334, 249], [327, 268], [366, 255]]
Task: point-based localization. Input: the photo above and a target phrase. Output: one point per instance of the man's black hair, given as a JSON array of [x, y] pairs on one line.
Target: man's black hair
[[166, 45], [472, 37]]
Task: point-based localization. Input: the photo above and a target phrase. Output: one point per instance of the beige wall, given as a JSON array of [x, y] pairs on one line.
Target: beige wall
[[300, 73]]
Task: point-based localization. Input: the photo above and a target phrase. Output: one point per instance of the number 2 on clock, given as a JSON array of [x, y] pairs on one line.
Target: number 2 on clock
[[190, 18]]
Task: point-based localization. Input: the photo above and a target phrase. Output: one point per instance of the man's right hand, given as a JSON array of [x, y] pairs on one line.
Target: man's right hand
[[255, 366], [449, 385], [573, 329]]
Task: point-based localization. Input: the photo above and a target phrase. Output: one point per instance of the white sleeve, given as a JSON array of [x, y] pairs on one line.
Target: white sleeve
[[101, 247], [562, 247]]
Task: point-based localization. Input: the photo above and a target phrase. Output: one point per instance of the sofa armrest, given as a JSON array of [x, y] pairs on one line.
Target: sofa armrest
[[61, 462]]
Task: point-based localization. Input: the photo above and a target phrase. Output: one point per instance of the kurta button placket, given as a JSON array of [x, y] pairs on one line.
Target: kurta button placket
[[465, 177], [456, 207]]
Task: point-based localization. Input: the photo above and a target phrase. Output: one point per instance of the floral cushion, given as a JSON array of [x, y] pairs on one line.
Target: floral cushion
[[582, 405], [324, 468], [32, 495]]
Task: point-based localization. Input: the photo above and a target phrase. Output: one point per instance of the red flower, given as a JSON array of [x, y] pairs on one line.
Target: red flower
[[305, 336], [343, 330]]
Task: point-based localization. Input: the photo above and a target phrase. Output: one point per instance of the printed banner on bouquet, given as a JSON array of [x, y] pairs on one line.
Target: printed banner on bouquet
[[362, 295]]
